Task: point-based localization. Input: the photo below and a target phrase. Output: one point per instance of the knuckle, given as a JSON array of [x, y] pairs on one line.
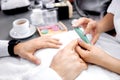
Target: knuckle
[[61, 51], [85, 56], [78, 63], [74, 57]]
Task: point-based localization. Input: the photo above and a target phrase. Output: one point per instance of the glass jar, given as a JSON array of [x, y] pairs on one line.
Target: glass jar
[[50, 17]]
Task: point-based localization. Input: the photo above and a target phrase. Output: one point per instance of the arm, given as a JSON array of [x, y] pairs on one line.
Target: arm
[[111, 63], [4, 48], [106, 24]]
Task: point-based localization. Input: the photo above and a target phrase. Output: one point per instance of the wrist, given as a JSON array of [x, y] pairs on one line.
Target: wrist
[[99, 27], [11, 46], [17, 49], [106, 63], [56, 70]]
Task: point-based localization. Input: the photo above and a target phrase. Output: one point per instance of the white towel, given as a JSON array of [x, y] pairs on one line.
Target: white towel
[[14, 69]]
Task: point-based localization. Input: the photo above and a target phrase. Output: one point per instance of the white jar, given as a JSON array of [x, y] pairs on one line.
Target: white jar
[[48, 1], [37, 17]]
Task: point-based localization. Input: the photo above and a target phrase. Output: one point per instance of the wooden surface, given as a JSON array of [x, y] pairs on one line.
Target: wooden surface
[[51, 31]]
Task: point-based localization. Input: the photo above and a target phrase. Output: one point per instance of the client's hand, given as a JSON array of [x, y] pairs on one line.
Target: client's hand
[[27, 49], [67, 62]]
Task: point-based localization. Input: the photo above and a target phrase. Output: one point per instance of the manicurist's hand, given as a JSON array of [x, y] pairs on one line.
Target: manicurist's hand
[[67, 62], [90, 27], [27, 49], [91, 53], [95, 55]]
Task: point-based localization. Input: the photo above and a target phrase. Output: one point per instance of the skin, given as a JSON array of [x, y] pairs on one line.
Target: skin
[[27, 49], [67, 62], [96, 28], [91, 53], [95, 55]]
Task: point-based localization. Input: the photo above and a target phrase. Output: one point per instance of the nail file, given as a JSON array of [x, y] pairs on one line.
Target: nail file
[[81, 34]]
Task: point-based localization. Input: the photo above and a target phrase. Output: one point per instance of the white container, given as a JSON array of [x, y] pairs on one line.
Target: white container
[[48, 1], [50, 17], [37, 17]]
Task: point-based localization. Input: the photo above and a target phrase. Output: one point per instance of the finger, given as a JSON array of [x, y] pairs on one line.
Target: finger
[[84, 45], [72, 45], [81, 22], [84, 20], [84, 64], [81, 60], [51, 45], [33, 59], [90, 27], [80, 51], [54, 40], [94, 39]]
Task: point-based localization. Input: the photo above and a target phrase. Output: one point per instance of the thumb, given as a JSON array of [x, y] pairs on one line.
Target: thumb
[[80, 51], [84, 45], [33, 59], [72, 44], [95, 38]]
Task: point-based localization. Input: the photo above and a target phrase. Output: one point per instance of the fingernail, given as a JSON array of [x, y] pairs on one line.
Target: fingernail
[[84, 33], [74, 21], [38, 62], [74, 25], [80, 40]]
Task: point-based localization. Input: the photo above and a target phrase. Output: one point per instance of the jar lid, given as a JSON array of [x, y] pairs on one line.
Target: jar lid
[[37, 11]]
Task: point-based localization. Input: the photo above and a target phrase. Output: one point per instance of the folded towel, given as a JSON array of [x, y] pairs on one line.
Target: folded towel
[[17, 68]]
